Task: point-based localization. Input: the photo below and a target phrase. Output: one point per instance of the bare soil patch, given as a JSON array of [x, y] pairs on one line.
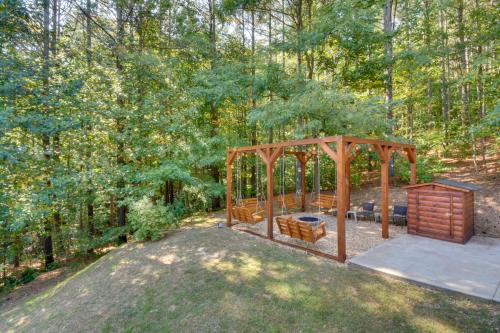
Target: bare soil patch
[[40, 284]]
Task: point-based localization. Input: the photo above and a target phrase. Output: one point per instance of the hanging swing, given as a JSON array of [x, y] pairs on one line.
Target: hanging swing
[[246, 210], [321, 201], [285, 201], [256, 203], [306, 228]]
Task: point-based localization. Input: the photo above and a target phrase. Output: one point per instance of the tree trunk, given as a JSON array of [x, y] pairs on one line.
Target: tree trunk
[[254, 106], [122, 208], [112, 211], [214, 170], [443, 80], [47, 238], [88, 127], [427, 40], [480, 93], [310, 56], [464, 89], [269, 63], [169, 193], [17, 250], [299, 26], [389, 14], [283, 39]]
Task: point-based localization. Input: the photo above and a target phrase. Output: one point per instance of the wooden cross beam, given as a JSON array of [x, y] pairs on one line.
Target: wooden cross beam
[[357, 152], [328, 150]]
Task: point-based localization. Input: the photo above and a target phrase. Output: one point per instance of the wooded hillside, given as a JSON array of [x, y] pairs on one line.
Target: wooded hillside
[[115, 114]]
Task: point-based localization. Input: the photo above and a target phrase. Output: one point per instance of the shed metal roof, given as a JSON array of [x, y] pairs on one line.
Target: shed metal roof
[[450, 184], [467, 186]]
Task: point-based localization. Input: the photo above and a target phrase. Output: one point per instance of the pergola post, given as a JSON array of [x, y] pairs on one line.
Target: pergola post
[[230, 155], [383, 152], [412, 158], [341, 199], [347, 184], [269, 156], [270, 200]]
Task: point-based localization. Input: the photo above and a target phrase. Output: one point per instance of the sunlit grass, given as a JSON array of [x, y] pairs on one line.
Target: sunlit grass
[[213, 280]]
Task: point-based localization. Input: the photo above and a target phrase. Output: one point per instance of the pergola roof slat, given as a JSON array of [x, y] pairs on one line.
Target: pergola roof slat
[[328, 139]]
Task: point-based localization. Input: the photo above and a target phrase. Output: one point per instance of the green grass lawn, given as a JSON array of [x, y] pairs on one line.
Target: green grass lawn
[[209, 279]]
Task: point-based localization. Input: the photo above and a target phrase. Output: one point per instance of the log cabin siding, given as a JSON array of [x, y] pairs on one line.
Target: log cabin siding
[[440, 212]]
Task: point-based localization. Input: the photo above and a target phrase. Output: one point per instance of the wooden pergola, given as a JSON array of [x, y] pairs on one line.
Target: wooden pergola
[[342, 154]]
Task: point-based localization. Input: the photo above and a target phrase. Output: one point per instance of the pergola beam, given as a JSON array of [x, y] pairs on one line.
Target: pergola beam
[[328, 139], [328, 150]]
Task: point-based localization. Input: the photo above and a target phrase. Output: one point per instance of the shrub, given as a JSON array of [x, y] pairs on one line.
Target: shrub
[[12, 281], [148, 220], [427, 167], [28, 275]]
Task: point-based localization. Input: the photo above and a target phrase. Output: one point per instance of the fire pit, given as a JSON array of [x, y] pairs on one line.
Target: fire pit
[[314, 221]]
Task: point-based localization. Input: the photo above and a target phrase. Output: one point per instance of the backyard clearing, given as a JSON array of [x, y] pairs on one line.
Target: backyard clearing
[[202, 278]]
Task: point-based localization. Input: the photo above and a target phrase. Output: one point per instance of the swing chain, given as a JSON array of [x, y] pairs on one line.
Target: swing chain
[[284, 209], [239, 196]]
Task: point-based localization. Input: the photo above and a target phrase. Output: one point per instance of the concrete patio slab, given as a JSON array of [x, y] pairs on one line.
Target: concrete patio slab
[[471, 269]]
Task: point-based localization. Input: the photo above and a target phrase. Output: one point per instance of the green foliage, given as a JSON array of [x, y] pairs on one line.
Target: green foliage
[[12, 281], [148, 220], [428, 167], [28, 275]]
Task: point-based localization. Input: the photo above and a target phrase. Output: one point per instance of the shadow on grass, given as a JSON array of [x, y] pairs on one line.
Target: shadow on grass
[[219, 280]]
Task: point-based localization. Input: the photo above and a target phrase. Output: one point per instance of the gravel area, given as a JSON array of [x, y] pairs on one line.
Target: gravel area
[[360, 236]]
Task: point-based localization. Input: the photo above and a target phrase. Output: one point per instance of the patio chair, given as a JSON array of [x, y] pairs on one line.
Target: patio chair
[[399, 213], [367, 211]]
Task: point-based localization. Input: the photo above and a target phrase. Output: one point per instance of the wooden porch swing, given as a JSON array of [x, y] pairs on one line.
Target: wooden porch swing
[[248, 210]]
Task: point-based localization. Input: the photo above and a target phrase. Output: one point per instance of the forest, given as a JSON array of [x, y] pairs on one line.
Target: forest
[[115, 115]]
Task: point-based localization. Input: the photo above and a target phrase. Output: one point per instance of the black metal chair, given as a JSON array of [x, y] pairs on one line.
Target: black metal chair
[[399, 212], [367, 211]]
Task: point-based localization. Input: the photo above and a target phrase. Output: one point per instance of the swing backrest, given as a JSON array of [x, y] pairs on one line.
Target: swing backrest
[[311, 234], [301, 230], [248, 202], [283, 225], [327, 201], [288, 200], [244, 214]]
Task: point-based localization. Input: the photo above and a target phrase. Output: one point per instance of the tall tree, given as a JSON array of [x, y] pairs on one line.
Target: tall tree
[[47, 239]]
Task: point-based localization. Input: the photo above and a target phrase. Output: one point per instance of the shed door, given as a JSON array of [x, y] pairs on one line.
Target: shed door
[[434, 214]]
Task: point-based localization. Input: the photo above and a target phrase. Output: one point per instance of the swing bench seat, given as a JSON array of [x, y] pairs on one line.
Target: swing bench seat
[[301, 230], [252, 204], [247, 215], [324, 201], [288, 201]]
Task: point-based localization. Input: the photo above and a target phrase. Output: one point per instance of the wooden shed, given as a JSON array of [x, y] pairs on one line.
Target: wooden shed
[[442, 209]]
